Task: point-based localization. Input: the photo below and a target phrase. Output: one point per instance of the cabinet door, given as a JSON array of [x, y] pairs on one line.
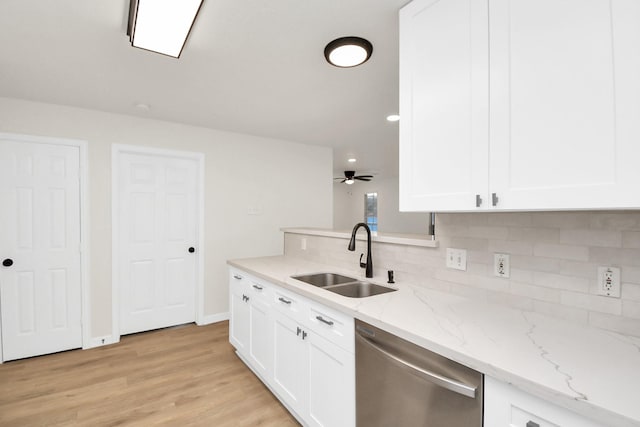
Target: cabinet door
[[443, 104], [239, 322], [261, 340], [331, 384], [290, 363], [565, 102]]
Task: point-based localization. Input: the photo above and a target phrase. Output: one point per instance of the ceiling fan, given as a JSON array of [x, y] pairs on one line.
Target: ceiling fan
[[350, 177]]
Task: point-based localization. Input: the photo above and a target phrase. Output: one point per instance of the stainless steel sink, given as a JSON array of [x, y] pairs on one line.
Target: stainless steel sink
[[343, 285], [323, 280], [360, 289]]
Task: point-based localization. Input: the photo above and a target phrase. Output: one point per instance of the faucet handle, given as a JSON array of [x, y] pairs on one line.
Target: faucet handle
[[362, 264]]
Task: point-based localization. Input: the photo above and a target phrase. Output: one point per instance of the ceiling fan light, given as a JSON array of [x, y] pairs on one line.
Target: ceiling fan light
[[349, 181], [161, 26], [347, 52]]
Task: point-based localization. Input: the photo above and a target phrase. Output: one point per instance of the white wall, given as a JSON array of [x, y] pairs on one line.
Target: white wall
[[348, 206], [290, 182]]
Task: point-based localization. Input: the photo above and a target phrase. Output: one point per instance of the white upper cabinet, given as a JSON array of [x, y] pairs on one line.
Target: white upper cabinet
[[535, 101]]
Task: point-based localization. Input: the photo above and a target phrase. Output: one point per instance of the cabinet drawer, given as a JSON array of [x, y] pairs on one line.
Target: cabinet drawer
[[258, 290], [332, 325], [290, 304], [507, 406], [237, 282]]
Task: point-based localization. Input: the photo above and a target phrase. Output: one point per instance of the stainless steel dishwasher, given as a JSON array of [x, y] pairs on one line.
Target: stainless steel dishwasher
[[401, 384]]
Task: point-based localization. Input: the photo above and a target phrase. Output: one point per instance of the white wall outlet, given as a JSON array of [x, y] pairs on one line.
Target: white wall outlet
[[609, 281], [501, 266], [303, 243], [457, 259]]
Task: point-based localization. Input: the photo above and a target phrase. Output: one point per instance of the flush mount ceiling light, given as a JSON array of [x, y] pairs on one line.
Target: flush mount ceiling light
[[348, 52], [161, 26], [393, 118]]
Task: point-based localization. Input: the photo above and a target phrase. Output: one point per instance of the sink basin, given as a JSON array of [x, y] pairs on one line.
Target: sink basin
[[323, 280], [360, 289]]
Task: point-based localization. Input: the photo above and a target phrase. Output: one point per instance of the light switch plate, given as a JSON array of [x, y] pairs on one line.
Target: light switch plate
[[457, 259]]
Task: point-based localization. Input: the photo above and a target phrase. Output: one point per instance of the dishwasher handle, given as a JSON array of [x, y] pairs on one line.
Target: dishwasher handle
[[432, 377]]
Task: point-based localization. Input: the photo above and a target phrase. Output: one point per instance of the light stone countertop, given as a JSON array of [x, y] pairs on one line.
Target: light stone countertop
[[590, 371]]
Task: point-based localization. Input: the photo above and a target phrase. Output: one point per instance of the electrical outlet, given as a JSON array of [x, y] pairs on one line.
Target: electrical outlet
[[609, 281], [501, 266], [457, 259]]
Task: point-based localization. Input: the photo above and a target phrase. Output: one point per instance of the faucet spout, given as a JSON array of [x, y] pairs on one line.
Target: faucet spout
[[352, 247]]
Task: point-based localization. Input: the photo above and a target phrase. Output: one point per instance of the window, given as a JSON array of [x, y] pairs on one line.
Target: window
[[371, 210]]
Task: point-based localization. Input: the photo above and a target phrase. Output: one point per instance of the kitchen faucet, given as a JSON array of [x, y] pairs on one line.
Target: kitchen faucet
[[352, 247]]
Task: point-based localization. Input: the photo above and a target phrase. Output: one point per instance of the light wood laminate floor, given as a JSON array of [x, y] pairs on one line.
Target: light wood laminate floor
[[183, 376]]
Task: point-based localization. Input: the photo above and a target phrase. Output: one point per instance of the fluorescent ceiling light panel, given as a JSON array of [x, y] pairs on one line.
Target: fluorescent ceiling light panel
[[163, 25]]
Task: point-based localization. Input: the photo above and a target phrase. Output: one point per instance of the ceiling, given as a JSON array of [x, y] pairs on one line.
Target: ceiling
[[249, 66]]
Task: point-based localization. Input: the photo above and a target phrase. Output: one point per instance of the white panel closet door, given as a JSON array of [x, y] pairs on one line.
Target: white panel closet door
[[158, 215], [40, 293]]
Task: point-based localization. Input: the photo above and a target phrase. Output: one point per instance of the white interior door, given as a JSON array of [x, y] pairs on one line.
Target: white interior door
[[40, 275], [157, 235]]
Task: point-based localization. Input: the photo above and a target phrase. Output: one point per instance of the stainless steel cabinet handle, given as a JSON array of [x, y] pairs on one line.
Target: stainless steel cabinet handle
[[478, 201], [323, 320], [286, 301], [532, 424], [494, 199], [257, 287], [304, 334], [432, 377], [298, 331], [235, 276]]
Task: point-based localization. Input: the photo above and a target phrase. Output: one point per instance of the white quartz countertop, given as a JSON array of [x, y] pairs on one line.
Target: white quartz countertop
[[590, 371]]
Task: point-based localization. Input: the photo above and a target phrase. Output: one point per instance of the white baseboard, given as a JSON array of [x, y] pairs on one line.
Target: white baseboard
[[100, 341], [213, 318]]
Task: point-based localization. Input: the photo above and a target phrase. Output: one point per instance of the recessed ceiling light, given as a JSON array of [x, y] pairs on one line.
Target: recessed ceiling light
[[161, 26], [393, 118], [351, 160], [348, 52]]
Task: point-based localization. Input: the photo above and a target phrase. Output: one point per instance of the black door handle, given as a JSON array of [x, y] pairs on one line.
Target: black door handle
[[191, 250], [7, 262]]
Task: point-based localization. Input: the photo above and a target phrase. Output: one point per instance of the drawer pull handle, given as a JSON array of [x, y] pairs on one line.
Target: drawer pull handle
[[299, 330], [323, 320], [257, 287], [235, 276], [532, 424], [286, 301]]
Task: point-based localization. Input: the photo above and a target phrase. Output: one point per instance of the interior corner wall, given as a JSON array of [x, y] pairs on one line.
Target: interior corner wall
[[290, 184], [348, 207]]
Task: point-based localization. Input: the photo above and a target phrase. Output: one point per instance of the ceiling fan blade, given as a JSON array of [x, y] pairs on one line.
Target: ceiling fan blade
[[361, 178], [364, 176], [338, 178]]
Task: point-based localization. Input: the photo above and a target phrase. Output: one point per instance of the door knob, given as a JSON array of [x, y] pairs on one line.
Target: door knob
[[191, 250], [7, 262]]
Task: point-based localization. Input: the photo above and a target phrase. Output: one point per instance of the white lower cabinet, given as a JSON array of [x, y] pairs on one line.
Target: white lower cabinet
[[506, 406], [301, 349]]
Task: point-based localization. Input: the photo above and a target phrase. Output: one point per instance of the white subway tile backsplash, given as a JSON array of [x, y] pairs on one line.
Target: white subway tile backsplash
[[630, 291], [615, 256], [510, 219], [615, 220], [561, 220], [631, 239], [591, 237], [540, 293], [514, 247], [554, 261], [631, 309], [565, 252]]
